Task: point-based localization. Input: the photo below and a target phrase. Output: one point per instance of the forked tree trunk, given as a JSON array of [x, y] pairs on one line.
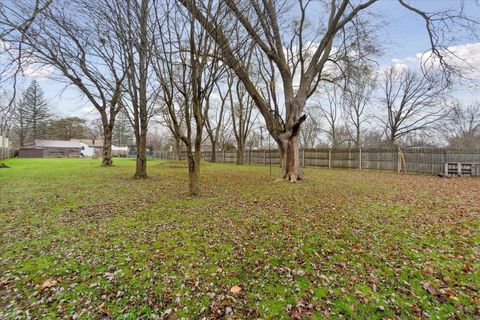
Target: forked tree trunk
[[290, 157], [290, 152], [107, 147], [194, 171], [141, 168]]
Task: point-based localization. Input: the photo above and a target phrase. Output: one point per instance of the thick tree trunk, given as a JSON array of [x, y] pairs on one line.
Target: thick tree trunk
[[290, 156], [107, 147], [141, 168], [213, 157], [290, 152], [194, 172]]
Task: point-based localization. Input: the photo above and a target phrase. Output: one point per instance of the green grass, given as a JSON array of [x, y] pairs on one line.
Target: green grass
[[79, 240]]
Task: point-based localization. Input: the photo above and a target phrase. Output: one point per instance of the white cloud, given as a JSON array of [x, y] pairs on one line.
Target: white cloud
[[38, 71], [465, 57], [87, 109]]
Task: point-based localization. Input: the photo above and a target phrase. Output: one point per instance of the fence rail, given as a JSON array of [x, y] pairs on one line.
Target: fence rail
[[419, 160]]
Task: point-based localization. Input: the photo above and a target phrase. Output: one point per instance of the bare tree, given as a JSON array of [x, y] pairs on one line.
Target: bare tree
[[242, 121], [187, 74], [215, 120], [132, 25], [7, 114], [297, 54], [170, 124], [357, 97], [17, 16], [412, 102], [330, 102], [166, 67], [461, 127], [311, 130]]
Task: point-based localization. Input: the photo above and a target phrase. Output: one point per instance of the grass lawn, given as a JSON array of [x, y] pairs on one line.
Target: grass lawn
[[78, 240]]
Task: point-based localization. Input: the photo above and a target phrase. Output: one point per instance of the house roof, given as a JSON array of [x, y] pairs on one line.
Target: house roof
[[89, 142], [115, 148], [57, 144]]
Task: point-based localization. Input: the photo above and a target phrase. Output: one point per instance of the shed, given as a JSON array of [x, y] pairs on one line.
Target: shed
[[55, 148]]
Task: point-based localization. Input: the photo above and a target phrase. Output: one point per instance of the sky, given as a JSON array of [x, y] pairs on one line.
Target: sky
[[403, 38]]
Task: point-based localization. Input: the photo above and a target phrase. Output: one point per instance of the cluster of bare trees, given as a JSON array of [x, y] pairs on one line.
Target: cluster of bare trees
[[197, 65], [394, 104]]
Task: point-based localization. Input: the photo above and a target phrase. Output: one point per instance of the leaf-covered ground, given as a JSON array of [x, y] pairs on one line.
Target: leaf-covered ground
[[81, 241]]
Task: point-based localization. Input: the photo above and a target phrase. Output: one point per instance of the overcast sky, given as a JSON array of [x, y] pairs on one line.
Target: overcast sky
[[403, 39]]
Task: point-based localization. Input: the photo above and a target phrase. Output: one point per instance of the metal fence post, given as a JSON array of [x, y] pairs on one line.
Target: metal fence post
[[329, 158], [359, 158]]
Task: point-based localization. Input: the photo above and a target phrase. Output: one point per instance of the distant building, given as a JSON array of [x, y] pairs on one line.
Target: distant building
[[93, 147], [119, 151], [67, 148], [51, 148]]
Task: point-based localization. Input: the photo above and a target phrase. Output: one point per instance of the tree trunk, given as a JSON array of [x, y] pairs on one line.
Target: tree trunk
[[194, 171], [178, 152], [240, 153], [22, 138], [141, 169], [289, 146], [290, 159], [107, 147], [358, 142], [213, 157]]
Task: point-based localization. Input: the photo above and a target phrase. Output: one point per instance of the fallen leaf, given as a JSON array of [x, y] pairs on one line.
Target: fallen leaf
[[428, 286], [428, 270], [235, 289], [47, 284]]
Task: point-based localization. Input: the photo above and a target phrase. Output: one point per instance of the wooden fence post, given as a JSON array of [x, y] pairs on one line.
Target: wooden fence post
[[399, 163], [223, 156], [303, 158], [349, 165], [264, 157]]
